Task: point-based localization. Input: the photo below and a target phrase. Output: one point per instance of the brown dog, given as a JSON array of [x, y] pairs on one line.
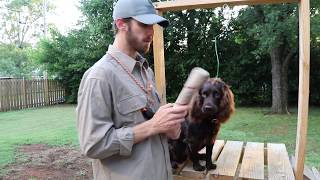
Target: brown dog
[[210, 108]]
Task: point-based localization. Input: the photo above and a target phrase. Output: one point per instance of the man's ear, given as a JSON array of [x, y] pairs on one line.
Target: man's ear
[[121, 25]]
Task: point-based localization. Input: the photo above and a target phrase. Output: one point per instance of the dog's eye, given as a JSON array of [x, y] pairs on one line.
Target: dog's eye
[[203, 95], [217, 95]]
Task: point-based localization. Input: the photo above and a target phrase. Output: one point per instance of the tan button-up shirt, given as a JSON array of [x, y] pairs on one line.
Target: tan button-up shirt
[[109, 104]]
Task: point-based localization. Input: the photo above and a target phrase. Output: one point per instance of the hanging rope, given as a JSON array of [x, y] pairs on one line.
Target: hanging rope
[[216, 46], [217, 56]]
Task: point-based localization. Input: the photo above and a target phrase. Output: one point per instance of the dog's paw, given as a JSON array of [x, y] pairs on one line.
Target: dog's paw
[[211, 166], [198, 167], [174, 165]]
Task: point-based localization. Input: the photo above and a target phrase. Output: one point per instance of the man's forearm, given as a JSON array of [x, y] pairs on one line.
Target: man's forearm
[[174, 133], [142, 131]]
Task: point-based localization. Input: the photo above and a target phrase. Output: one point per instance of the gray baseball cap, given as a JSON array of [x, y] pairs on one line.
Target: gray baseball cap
[[140, 10]]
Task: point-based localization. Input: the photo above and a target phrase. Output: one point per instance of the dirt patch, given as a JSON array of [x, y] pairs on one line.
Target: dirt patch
[[40, 161]]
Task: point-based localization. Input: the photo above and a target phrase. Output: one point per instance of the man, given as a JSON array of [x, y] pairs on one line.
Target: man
[[116, 101]]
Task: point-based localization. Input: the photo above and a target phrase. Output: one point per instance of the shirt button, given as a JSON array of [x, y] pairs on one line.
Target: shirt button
[[127, 135]]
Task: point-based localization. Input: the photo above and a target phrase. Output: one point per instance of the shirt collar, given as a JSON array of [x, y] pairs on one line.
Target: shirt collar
[[127, 60]]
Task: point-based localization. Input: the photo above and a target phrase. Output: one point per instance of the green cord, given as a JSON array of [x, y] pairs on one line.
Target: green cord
[[216, 49]]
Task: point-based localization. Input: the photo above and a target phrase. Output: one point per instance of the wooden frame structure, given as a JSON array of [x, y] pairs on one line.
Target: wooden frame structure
[[304, 59]]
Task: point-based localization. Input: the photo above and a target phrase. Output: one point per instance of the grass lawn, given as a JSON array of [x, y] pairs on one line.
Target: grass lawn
[[55, 126], [253, 124]]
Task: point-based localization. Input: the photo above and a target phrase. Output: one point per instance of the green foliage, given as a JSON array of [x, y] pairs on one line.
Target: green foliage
[[67, 57], [189, 43], [21, 21], [14, 62], [243, 46]]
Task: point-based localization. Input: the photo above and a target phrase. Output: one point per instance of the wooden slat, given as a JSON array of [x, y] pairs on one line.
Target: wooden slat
[[189, 172], [159, 64], [20, 93], [50, 91], [278, 162], [1, 92], [316, 173], [205, 4], [179, 177], [252, 166], [14, 97], [216, 150], [10, 95], [55, 92], [307, 172], [304, 73], [228, 161], [28, 93]]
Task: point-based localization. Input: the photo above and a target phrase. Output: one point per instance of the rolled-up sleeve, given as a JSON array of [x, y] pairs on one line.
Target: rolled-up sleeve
[[98, 137]]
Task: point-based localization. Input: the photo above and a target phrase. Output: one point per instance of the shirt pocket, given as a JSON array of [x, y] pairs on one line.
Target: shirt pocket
[[129, 108]]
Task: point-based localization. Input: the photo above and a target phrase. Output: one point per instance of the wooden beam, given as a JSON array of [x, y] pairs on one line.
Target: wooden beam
[[159, 64], [304, 73], [228, 161], [316, 173], [307, 172], [279, 166], [252, 166], [179, 5]]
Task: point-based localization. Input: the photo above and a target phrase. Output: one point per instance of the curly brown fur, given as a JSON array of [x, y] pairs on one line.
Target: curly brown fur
[[213, 106]]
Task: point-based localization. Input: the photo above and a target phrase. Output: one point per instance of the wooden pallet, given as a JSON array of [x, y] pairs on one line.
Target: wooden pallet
[[239, 160]]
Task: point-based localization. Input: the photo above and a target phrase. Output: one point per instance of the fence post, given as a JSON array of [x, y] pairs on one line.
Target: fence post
[[24, 93], [46, 90], [1, 92]]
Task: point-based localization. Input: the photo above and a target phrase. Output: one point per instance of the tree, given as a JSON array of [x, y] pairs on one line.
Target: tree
[[14, 62], [67, 57], [275, 29], [244, 49], [21, 21]]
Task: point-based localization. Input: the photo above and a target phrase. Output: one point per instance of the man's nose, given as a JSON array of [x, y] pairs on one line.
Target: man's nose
[[150, 30]]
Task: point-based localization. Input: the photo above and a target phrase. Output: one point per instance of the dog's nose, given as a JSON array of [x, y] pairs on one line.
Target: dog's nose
[[208, 108]]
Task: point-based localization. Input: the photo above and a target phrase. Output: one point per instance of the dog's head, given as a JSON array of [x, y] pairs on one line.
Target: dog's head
[[215, 100]]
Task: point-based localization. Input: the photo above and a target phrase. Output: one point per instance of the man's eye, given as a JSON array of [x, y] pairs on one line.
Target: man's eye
[[144, 25]]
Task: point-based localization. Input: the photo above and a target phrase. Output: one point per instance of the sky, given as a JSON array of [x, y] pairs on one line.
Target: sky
[[65, 15]]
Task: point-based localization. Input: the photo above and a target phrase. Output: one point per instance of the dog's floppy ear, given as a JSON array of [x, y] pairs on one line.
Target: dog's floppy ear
[[226, 105], [199, 91]]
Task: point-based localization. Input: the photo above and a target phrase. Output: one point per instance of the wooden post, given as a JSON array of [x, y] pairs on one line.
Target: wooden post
[[24, 93], [175, 5], [304, 71], [159, 64], [1, 92]]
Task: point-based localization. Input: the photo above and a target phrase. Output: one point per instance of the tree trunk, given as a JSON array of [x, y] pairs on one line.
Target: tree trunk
[[280, 59], [284, 89], [285, 80], [277, 98]]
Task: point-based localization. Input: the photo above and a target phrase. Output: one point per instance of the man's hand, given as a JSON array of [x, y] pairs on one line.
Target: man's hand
[[168, 120], [174, 132]]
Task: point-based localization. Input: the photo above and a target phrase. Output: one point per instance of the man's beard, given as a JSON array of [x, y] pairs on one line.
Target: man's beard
[[134, 42]]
